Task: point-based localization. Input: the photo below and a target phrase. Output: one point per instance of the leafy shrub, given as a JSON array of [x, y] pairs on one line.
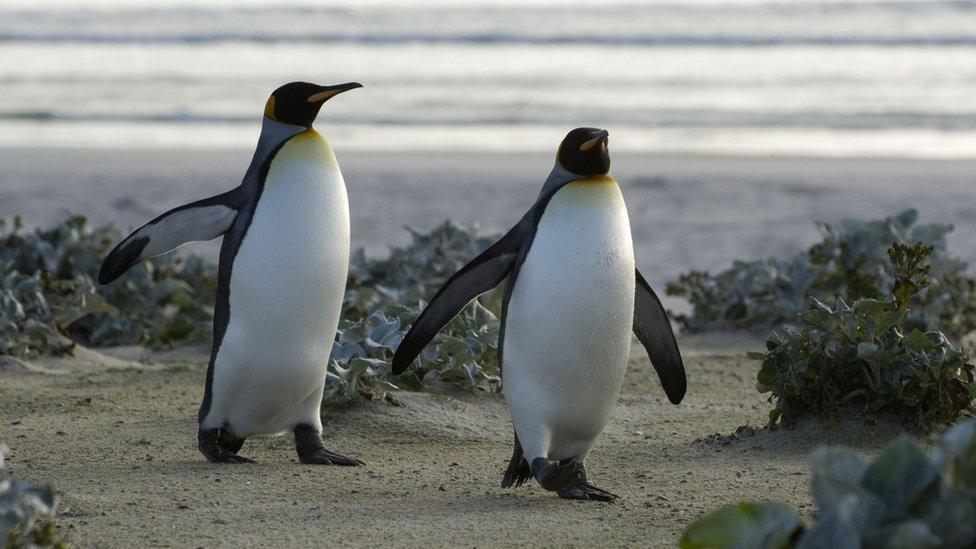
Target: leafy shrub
[[867, 352], [384, 297], [901, 499], [26, 512], [464, 353], [50, 300], [413, 273], [48, 292], [849, 263]]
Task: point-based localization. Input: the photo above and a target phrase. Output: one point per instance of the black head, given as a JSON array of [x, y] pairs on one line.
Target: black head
[[298, 103], [584, 151]]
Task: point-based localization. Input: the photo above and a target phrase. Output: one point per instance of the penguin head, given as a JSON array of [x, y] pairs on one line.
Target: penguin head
[[585, 151], [298, 103]]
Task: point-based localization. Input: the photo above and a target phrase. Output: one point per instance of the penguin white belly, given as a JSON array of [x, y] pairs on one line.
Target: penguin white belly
[[286, 290], [569, 320]]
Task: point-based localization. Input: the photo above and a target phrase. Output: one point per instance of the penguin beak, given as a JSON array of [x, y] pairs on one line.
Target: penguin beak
[[328, 92], [601, 136]]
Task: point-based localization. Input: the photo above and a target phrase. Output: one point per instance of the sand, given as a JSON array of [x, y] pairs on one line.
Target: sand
[[114, 432]]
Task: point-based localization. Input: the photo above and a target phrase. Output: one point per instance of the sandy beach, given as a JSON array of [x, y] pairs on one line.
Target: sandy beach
[[114, 433], [113, 430]]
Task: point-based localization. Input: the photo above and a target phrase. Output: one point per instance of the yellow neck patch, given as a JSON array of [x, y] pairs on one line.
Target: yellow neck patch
[[597, 179], [309, 134], [308, 145]]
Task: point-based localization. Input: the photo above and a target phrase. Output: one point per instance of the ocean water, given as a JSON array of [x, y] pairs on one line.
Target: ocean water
[[787, 77]]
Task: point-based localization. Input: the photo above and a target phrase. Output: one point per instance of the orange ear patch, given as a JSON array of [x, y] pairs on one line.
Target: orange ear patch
[[269, 108]]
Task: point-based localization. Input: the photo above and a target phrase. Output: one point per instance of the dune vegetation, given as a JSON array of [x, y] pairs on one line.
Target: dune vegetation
[[51, 302], [850, 262], [26, 512], [902, 498]]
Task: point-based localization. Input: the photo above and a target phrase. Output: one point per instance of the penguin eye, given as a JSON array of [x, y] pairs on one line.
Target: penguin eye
[[269, 108]]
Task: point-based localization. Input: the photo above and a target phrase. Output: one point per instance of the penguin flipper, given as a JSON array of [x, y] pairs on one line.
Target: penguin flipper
[[201, 220], [477, 277], [653, 329]]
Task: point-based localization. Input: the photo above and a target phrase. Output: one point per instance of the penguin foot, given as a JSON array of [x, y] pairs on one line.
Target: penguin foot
[[587, 492], [568, 479], [220, 446], [229, 442], [556, 476], [311, 450], [325, 457]]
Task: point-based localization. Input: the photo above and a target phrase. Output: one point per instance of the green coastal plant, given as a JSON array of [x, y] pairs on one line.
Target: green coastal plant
[[50, 299], [26, 512], [384, 297], [869, 353], [48, 289], [464, 353], [849, 263], [413, 272], [903, 498]]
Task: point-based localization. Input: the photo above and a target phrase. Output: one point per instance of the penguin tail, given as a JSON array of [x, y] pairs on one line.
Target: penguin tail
[[518, 468]]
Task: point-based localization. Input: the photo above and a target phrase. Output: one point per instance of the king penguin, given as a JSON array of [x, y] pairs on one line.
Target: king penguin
[[282, 274], [572, 298]]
